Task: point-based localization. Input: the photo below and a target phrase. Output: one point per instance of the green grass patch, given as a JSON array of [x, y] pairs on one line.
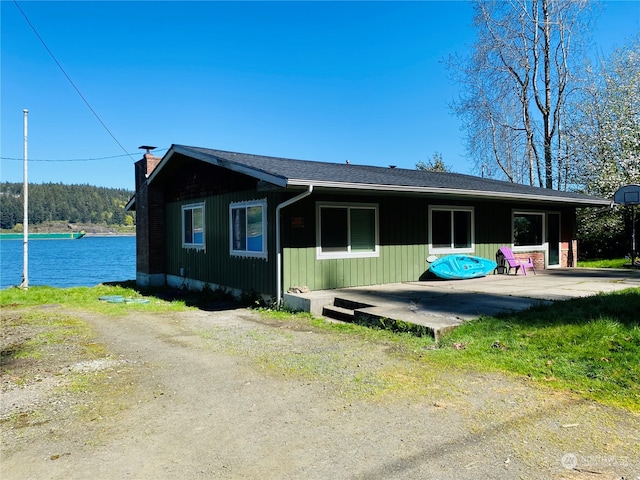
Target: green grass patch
[[88, 298], [588, 345], [604, 263]]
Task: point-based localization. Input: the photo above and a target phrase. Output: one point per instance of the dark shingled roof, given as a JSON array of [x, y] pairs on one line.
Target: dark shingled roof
[[287, 172]]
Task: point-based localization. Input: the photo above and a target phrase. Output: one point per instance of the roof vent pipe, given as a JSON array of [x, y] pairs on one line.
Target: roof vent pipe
[[278, 247], [148, 148]]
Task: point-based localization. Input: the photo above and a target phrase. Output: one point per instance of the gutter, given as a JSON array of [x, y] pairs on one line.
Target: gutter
[[578, 202], [278, 248]]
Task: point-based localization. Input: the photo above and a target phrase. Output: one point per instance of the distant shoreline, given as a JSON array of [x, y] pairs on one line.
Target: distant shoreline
[[87, 234], [90, 229], [94, 235], [116, 234]]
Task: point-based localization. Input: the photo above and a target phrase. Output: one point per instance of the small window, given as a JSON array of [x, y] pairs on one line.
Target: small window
[[527, 229], [248, 225], [193, 226], [347, 230], [451, 230]]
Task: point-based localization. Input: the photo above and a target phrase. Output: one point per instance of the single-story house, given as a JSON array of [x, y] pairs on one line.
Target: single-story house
[[253, 223]]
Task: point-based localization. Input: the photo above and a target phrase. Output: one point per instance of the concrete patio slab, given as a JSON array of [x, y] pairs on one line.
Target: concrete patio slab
[[440, 305]]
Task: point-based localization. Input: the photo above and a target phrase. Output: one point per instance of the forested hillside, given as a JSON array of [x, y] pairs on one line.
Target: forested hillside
[[52, 202]]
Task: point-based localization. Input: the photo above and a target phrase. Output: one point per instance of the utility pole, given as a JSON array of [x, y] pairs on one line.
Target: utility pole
[[25, 192]]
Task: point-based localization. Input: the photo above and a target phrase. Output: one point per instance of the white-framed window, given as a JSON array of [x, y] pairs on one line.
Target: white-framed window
[[346, 230], [451, 229], [193, 226], [248, 229], [528, 229]]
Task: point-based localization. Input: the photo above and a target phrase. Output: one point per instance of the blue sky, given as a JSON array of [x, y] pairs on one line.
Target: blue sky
[[329, 81]]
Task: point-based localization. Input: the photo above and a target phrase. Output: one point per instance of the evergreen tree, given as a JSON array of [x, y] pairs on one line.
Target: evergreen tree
[[66, 203]]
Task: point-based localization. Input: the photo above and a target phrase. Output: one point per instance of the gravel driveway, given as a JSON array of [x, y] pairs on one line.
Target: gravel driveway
[[236, 395]]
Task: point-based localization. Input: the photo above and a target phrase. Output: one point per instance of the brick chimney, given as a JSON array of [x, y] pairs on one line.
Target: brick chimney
[[146, 166], [149, 224]]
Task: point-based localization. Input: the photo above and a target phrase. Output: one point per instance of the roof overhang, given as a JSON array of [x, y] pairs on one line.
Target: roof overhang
[[280, 181], [455, 192], [131, 204], [219, 162]]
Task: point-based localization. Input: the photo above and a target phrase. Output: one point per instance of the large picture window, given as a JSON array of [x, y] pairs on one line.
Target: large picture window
[[528, 229], [451, 230], [248, 226], [347, 230], [193, 226]]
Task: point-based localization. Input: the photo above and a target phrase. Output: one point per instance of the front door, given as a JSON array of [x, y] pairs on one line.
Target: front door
[[553, 239]]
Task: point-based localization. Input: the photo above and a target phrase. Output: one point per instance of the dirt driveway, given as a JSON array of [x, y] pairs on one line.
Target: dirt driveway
[[234, 395]]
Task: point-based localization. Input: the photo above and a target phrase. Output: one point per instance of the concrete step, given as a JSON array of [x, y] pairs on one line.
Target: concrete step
[[349, 304], [338, 313]]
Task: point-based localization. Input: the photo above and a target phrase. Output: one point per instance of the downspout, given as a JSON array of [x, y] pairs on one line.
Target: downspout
[[278, 249]]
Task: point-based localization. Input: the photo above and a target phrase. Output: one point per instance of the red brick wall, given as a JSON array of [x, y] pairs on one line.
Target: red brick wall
[[537, 257], [569, 244], [150, 249], [568, 255]]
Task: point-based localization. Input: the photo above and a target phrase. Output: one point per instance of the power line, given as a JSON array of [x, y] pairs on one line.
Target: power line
[[74, 159], [69, 79]]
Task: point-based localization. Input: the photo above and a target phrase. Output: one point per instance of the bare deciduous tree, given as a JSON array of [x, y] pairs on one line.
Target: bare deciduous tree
[[515, 86]]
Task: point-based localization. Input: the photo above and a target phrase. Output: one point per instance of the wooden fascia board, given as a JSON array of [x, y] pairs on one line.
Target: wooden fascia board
[[130, 206], [581, 202], [220, 162]]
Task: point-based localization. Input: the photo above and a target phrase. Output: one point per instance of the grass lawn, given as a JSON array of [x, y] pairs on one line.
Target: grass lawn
[[587, 345], [604, 263], [590, 346], [88, 298]]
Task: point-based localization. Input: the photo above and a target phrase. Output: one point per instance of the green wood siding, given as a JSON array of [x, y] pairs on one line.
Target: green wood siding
[[215, 264], [396, 263], [403, 241], [403, 246], [492, 228]]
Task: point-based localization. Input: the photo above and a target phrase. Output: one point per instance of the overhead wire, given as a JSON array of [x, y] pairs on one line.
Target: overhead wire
[[71, 81], [76, 159]]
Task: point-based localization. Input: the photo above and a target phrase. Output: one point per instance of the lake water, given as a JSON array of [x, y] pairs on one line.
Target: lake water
[[69, 263]]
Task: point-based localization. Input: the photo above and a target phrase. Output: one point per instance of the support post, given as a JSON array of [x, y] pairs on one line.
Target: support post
[[25, 197], [633, 236]]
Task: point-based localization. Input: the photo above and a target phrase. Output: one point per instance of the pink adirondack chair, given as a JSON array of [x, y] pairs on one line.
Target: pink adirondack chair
[[514, 262]]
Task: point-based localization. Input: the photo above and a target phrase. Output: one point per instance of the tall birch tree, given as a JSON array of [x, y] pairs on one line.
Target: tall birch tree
[[515, 87]]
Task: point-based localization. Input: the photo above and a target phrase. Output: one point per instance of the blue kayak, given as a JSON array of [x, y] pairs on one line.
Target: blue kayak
[[459, 267]]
